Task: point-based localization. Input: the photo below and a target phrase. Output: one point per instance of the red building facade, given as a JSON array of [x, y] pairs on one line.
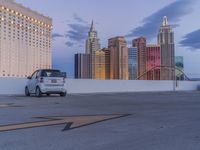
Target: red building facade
[[153, 62]]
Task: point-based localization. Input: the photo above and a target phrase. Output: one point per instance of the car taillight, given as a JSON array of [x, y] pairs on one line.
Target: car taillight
[[63, 80]]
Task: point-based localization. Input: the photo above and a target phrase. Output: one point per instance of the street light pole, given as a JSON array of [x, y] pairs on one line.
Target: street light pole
[[174, 79]]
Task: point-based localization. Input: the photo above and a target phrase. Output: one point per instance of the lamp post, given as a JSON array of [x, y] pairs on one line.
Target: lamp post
[[174, 78]]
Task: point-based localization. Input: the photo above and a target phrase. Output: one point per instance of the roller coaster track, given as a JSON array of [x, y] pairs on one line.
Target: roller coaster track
[[169, 67]]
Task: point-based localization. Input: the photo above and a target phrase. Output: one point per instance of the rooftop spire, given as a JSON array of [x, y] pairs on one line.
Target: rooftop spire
[[92, 28], [165, 21]]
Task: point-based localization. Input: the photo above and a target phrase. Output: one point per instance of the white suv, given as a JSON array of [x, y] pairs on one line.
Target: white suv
[[46, 81]]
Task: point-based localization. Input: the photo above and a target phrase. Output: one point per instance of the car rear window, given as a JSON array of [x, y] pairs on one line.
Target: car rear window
[[51, 73]]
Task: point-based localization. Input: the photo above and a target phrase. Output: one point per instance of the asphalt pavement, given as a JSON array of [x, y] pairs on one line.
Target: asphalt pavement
[[123, 121]]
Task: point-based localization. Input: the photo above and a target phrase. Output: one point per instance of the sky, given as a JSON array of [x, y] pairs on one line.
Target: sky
[[129, 18]]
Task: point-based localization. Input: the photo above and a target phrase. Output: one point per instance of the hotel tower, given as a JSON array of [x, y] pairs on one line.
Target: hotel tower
[[166, 42], [25, 40], [140, 43], [92, 45], [118, 58]]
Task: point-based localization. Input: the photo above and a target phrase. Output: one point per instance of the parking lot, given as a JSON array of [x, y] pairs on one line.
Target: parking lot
[[124, 121]]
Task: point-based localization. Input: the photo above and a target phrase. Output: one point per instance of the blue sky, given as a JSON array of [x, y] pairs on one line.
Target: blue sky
[[130, 18]]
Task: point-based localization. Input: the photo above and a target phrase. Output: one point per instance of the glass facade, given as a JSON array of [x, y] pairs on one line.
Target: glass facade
[[82, 66], [179, 68], [132, 63]]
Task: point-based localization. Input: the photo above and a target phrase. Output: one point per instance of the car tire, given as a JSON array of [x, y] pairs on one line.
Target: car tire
[[27, 93], [63, 94], [48, 94], [38, 92]]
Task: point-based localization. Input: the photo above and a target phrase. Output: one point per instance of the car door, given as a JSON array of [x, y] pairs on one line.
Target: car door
[[32, 82]]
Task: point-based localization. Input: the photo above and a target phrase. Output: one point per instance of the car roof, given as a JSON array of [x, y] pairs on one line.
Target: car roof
[[49, 70]]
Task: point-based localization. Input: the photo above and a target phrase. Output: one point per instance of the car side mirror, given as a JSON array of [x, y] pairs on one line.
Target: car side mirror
[[64, 74], [29, 78]]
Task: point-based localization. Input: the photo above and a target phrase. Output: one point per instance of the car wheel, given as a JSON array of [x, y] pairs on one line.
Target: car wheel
[[63, 94], [48, 94], [38, 92], [27, 93]]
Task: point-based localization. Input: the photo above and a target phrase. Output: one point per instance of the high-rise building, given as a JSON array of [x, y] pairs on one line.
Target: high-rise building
[[92, 45], [107, 62], [153, 62], [92, 42], [179, 68], [82, 66], [118, 58], [100, 71], [140, 43], [25, 40], [132, 63], [166, 42]]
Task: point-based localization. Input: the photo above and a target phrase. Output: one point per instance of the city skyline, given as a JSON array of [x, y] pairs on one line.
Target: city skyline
[[139, 62], [180, 17]]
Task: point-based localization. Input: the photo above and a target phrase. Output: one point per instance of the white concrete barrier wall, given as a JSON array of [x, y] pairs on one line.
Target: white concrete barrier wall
[[187, 85], [12, 86], [102, 86], [15, 86]]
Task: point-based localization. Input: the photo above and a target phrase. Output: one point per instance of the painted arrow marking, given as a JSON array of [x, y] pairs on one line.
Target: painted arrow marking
[[71, 122], [8, 105]]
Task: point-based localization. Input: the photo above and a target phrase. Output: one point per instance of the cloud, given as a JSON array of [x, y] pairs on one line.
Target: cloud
[[79, 19], [192, 40], [69, 44], [77, 32], [151, 24], [56, 35]]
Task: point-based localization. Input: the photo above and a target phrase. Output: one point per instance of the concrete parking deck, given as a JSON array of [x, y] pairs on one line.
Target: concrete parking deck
[[128, 121]]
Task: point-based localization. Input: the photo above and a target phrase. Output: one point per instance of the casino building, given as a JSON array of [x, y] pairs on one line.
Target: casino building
[[25, 40]]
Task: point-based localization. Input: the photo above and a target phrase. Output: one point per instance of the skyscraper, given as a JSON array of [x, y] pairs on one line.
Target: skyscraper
[[107, 63], [132, 63], [179, 67], [100, 73], [118, 58], [82, 66], [92, 42], [140, 43], [153, 62], [166, 42], [25, 40], [92, 45]]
